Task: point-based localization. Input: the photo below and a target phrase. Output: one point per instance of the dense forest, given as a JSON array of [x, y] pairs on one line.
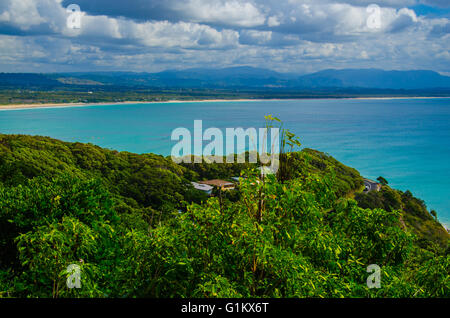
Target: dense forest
[[137, 228]]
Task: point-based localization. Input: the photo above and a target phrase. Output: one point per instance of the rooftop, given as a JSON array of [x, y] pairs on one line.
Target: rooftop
[[202, 187], [217, 183]]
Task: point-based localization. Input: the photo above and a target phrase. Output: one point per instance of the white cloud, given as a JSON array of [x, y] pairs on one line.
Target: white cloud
[[26, 14], [255, 37], [287, 35], [23, 14], [234, 12], [273, 21]]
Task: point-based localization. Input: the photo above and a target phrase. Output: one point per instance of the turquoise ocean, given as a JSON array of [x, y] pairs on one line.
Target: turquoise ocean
[[407, 141]]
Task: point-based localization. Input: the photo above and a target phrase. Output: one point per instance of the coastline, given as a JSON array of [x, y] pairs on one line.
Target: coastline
[[60, 105], [11, 107]]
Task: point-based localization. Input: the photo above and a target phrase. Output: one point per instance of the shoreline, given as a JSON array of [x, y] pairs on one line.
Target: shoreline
[[11, 107], [61, 105]]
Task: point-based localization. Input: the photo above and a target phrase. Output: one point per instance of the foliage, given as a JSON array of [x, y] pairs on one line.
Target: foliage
[[414, 214], [137, 229], [382, 180], [150, 180]]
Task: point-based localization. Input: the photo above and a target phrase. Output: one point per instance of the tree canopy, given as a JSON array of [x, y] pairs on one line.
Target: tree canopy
[[136, 228]]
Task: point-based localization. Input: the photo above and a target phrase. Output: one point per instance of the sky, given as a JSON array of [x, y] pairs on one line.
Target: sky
[[300, 36]]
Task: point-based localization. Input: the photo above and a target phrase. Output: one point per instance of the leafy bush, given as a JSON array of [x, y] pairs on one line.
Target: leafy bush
[[137, 228]]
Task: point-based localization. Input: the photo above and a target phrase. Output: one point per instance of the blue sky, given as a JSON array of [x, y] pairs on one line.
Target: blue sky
[[286, 35]]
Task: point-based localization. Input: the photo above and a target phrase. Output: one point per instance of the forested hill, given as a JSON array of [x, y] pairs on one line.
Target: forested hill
[[138, 228]]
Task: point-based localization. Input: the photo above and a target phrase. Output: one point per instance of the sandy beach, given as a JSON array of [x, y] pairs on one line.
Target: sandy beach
[[59, 105]]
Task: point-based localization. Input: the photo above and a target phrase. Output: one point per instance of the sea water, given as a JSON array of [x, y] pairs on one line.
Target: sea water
[[407, 141]]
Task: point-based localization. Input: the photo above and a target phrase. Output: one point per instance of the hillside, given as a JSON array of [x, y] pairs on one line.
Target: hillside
[[375, 78], [227, 83], [137, 228]]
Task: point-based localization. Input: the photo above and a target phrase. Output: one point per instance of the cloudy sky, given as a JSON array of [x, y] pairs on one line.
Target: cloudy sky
[[285, 35]]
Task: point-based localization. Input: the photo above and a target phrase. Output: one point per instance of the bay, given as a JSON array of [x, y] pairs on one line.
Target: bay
[[407, 141]]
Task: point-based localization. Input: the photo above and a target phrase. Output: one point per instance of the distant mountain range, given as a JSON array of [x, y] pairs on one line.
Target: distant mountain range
[[374, 78], [233, 78]]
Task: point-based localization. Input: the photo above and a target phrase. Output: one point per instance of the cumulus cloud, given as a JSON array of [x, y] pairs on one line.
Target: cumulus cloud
[[254, 37], [49, 17], [240, 13], [233, 13], [302, 35], [22, 14]]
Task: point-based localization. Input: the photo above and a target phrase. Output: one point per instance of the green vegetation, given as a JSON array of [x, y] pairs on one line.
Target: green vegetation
[[202, 84], [137, 228], [114, 94], [382, 180], [413, 215]]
